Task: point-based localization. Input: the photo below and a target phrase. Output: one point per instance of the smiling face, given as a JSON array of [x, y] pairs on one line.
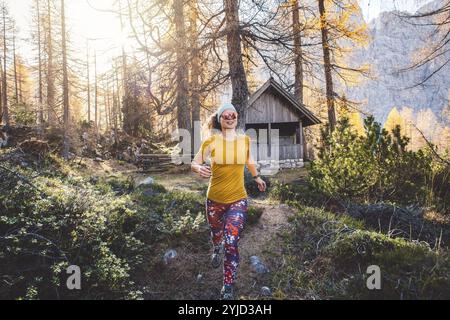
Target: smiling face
[[228, 119]]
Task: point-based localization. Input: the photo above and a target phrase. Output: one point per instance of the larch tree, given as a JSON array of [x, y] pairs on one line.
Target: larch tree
[[342, 30], [195, 58], [66, 101], [17, 99], [329, 91], [235, 62], [7, 25], [88, 83], [195, 72], [183, 110], [37, 38], [407, 116], [393, 119], [52, 115], [298, 52]]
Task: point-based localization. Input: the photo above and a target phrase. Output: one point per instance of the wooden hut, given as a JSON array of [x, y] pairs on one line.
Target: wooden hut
[[272, 107]]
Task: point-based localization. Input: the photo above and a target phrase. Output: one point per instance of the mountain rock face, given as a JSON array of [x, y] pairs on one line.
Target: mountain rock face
[[395, 42]]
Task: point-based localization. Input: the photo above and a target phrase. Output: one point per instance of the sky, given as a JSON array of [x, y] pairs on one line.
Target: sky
[[88, 19]]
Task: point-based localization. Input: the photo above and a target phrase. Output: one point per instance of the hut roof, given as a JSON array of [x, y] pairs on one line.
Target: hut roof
[[307, 116]]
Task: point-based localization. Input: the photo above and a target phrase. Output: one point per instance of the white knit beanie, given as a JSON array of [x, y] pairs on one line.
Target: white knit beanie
[[226, 106]]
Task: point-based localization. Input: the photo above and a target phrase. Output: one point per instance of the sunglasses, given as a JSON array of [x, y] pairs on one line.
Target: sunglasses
[[229, 116]]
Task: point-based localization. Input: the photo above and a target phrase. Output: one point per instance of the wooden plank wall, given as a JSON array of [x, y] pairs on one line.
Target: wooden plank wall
[[269, 108]]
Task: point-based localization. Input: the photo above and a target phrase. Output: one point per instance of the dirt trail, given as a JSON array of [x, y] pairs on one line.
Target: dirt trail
[[190, 275], [262, 240]]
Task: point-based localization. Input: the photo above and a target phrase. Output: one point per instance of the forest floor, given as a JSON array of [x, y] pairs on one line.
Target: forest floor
[[312, 249], [312, 246], [190, 275]]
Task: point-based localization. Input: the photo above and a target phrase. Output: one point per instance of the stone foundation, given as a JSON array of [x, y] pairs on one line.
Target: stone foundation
[[268, 166]]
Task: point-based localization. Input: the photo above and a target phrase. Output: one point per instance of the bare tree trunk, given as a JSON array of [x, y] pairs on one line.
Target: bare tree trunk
[[40, 95], [115, 107], [194, 87], [96, 123], [65, 84], [16, 84], [1, 95], [124, 64], [327, 67], [19, 89], [118, 98], [4, 82], [235, 61], [298, 54], [88, 84], [50, 73], [183, 112], [107, 106]]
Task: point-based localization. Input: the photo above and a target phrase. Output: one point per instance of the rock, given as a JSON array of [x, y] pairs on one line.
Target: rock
[[3, 139], [71, 156], [146, 182], [149, 192], [24, 164], [257, 265], [169, 256], [265, 291], [98, 159], [199, 278]]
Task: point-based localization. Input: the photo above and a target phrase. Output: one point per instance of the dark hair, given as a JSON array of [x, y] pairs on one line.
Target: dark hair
[[213, 123]]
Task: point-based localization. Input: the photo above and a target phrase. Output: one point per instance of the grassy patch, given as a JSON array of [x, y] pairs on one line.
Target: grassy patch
[[327, 257]]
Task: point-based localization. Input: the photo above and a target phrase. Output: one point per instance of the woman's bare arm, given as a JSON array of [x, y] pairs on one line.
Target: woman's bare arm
[[251, 165], [198, 167]]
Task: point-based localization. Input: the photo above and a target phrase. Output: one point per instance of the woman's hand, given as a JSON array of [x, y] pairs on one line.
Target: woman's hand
[[261, 184], [204, 172]]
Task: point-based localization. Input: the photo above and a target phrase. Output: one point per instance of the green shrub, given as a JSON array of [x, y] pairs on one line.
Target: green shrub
[[327, 257], [374, 167], [117, 184], [112, 232], [303, 194], [409, 270]]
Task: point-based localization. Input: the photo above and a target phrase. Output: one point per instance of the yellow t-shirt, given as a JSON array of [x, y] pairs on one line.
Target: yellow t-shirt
[[228, 159]]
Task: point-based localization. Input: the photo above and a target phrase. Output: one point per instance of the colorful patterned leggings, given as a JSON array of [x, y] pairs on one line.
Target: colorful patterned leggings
[[226, 222]]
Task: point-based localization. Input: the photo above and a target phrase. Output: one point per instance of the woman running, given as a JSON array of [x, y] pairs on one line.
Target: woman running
[[226, 203]]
